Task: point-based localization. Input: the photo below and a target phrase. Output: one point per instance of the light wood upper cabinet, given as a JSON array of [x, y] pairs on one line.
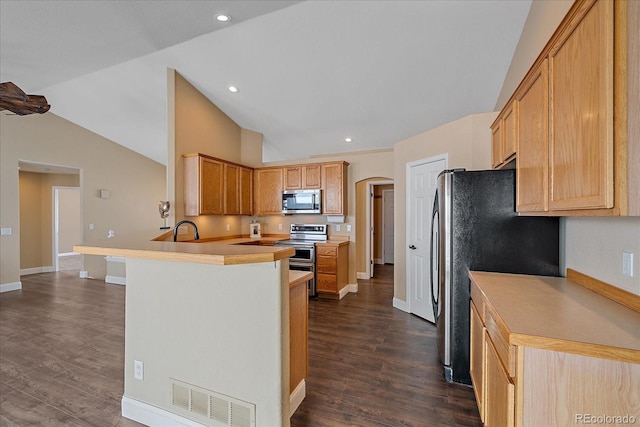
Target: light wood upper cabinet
[[268, 185], [334, 186], [532, 171], [497, 133], [581, 96], [246, 191], [576, 114], [216, 187], [293, 178], [302, 177], [231, 189], [504, 136], [203, 185], [311, 176]]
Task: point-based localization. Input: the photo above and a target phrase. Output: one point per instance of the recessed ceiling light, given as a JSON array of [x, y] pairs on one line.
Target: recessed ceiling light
[[348, 140], [223, 17], [233, 89]]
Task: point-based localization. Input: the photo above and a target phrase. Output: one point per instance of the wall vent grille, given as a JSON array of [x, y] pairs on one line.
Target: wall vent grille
[[211, 408]]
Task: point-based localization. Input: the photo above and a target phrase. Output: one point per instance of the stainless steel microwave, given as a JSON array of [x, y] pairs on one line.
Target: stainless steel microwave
[[301, 202]]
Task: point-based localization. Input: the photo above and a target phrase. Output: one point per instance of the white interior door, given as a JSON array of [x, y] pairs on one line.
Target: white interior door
[[387, 226], [421, 187]]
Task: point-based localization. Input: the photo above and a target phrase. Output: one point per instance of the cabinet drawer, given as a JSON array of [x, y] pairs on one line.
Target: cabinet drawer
[[326, 282], [506, 352], [327, 250], [326, 265]]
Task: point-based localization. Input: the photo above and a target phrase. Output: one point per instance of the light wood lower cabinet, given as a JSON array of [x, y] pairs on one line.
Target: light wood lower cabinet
[[500, 402], [526, 386], [298, 334], [332, 269], [477, 358]]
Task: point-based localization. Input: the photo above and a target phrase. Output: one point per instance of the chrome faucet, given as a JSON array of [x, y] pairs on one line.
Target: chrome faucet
[[196, 236]]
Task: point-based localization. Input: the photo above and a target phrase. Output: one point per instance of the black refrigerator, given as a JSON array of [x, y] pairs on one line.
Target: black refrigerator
[[474, 226]]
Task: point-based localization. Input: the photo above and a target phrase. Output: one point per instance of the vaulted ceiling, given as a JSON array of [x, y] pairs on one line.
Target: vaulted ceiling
[[310, 73]]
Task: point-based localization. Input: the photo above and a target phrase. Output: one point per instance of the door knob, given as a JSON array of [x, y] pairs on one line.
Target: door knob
[[412, 247]]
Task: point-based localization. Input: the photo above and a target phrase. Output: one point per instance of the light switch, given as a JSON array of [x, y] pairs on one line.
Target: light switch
[[6, 231]]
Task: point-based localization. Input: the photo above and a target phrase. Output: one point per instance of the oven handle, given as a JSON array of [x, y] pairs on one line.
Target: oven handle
[[302, 264]]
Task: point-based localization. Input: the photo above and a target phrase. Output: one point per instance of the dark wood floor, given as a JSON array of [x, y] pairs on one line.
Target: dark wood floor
[[62, 351], [373, 365]]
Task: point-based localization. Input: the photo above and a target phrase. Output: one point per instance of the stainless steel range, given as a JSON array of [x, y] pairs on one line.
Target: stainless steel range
[[303, 238]]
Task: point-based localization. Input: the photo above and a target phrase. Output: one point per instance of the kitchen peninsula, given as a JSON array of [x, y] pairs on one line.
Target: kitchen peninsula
[[207, 333]]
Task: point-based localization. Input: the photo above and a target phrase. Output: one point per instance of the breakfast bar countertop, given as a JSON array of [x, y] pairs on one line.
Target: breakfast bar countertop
[[202, 253]]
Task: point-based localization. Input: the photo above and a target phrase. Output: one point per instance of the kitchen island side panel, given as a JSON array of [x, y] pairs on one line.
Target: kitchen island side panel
[[218, 328]]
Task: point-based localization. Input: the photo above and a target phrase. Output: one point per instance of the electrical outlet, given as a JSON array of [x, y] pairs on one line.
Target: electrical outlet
[[111, 234], [183, 229], [228, 227], [627, 264], [6, 231], [280, 227], [91, 226], [138, 370], [349, 228], [338, 227]]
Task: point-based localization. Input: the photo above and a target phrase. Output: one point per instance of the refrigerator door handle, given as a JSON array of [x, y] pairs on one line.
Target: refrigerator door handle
[[434, 301]]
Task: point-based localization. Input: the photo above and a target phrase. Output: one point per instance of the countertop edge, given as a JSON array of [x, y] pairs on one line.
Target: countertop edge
[[178, 256], [564, 345]]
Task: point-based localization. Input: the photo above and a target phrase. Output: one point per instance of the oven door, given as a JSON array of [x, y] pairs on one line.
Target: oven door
[[304, 254]]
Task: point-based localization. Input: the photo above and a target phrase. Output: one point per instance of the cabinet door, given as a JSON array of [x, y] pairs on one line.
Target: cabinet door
[[246, 191], [532, 169], [581, 95], [477, 358], [496, 144], [499, 392], [334, 195], [510, 136], [211, 185], [311, 176], [293, 178], [268, 191], [231, 189]]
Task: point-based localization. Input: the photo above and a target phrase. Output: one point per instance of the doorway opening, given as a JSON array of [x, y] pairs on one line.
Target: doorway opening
[[50, 217], [379, 225]]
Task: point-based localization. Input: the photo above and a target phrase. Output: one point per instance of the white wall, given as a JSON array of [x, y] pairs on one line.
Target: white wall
[[136, 184], [594, 246]]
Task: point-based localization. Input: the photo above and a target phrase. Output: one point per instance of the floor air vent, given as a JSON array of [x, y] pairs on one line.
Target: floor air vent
[[211, 408]]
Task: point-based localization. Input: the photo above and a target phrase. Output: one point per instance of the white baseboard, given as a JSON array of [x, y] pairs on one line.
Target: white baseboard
[[69, 254], [116, 280], [7, 287], [297, 396], [400, 305], [353, 288], [37, 270], [150, 415], [362, 276]]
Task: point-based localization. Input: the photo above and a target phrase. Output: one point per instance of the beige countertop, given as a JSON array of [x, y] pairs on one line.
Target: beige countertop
[[298, 277], [204, 253], [559, 314]]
